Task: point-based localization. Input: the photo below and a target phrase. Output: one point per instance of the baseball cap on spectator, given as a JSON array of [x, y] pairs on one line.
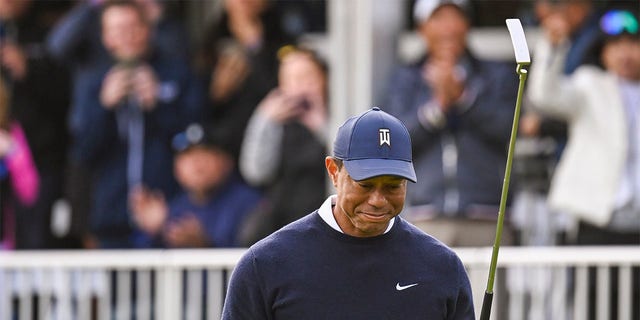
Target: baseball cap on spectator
[[373, 144], [423, 9], [198, 135]]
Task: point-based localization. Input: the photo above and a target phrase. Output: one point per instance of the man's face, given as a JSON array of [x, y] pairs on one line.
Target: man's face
[[364, 208], [622, 57], [200, 169], [445, 32], [124, 33]]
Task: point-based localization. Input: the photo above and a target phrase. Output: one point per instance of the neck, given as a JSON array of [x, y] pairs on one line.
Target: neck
[[200, 197]]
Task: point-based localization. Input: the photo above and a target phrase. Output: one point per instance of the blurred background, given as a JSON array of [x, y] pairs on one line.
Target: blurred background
[[199, 127]]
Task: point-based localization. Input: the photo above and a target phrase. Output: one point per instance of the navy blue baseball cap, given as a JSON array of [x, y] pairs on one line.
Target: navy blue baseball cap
[[373, 144], [197, 134]]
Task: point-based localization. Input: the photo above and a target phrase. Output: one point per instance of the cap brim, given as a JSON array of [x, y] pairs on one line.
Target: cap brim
[[363, 169]]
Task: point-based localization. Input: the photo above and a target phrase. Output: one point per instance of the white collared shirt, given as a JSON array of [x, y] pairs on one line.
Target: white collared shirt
[[326, 213]]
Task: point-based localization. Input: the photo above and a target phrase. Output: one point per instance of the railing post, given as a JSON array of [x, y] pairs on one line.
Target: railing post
[[5, 295], [602, 293], [581, 298], [625, 292], [215, 291], [168, 293], [143, 294]]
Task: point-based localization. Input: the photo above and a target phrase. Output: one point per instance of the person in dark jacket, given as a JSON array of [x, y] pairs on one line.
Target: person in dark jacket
[[75, 41], [130, 108], [459, 112]]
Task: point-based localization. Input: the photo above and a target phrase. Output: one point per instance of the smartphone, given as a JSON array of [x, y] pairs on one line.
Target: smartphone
[[304, 104]]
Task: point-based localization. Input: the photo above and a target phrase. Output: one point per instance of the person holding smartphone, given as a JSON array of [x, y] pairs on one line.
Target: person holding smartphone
[[290, 120]]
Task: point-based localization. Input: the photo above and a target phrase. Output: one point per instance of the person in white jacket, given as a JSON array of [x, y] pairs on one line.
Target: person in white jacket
[[598, 177]]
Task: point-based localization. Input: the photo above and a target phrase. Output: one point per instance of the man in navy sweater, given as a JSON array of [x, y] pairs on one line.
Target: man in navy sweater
[[354, 257]]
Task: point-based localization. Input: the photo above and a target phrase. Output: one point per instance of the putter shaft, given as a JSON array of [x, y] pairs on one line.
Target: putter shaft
[[488, 297]]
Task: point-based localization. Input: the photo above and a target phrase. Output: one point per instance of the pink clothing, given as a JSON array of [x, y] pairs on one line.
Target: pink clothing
[[22, 170], [24, 180]]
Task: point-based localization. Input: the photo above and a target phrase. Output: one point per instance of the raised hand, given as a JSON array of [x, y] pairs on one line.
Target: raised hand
[[186, 232], [13, 58], [446, 81], [115, 87], [145, 86], [149, 209]]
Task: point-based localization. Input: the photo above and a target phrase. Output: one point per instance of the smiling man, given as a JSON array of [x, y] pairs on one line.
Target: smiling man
[[354, 257]]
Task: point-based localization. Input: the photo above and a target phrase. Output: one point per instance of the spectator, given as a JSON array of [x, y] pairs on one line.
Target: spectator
[[76, 38], [285, 142], [601, 107], [19, 179], [212, 204], [597, 180], [76, 42], [546, 137], [579, 20], [131, 106], [38, 91], [459, 112], [238, 58]]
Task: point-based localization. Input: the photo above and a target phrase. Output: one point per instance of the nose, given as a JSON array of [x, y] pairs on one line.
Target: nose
[[377, 199]]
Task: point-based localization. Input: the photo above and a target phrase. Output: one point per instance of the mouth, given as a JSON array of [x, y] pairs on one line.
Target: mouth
[[375, 217]]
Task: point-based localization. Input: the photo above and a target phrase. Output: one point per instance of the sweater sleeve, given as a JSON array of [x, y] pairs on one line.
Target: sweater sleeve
[[463, 306], [261, 150], [25, 181], [245, 296]]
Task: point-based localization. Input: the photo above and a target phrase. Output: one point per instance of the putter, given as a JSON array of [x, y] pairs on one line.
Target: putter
[[522, 59]]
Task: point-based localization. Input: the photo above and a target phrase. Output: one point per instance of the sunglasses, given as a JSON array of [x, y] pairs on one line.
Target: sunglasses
[[616, 22]]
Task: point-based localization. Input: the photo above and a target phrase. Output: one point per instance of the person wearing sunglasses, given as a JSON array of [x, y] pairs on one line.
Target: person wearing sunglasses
[[597, 180]]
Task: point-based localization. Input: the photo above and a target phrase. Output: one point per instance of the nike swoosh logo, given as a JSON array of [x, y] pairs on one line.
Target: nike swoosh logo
[[400, 288]]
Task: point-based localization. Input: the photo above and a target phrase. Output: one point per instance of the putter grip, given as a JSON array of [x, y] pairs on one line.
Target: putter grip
[[486, 306]]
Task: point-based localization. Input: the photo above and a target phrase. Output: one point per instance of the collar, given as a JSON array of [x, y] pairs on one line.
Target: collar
[[326, 213]]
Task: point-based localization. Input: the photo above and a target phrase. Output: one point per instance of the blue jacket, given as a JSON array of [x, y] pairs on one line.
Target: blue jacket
[[221, 216], [97, 145], [460, 166]]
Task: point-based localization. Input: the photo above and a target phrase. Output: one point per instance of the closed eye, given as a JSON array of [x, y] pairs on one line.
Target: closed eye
[[365, 185]]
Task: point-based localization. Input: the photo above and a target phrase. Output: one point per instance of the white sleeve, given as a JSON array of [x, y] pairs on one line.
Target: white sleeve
[[260, 153], [549, 90]]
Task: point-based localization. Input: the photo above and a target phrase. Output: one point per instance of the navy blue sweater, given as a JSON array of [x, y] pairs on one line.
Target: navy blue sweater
[[307, 270]]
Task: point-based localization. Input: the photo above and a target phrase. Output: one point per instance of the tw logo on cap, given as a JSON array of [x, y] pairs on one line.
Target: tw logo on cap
[[385, 136]]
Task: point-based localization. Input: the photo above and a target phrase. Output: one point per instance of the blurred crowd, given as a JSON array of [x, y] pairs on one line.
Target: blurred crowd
[[118, 131]]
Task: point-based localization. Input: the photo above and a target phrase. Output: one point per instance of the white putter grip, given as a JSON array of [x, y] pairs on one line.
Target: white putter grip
[[519, 41]]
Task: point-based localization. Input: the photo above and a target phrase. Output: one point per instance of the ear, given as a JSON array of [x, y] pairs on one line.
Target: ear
[[332, 169]]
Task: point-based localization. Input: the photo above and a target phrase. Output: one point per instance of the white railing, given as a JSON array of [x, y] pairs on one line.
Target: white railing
[[540, 283]]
